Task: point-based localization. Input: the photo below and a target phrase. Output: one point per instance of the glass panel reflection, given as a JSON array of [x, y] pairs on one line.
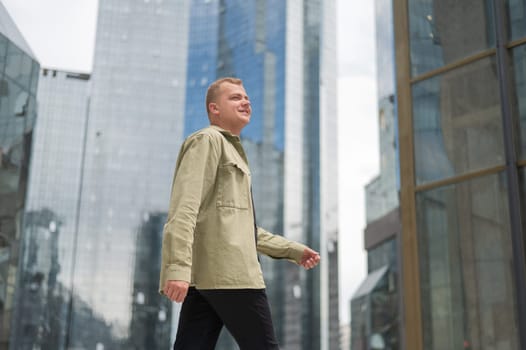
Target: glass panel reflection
[[375, 310], [517, 18], [444, 31], [16, 104], [18, 66], [385, 253], [466, 274], [522, 187], [3, 51], [519, 71], [457, 122], [43, 298]]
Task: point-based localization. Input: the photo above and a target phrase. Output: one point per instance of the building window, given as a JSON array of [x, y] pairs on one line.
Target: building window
[[466, 279], [519, 70], [457, 122], [517, 18], [444, 31]]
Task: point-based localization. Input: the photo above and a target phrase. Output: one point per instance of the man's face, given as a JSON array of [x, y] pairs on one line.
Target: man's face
[[232, 107]]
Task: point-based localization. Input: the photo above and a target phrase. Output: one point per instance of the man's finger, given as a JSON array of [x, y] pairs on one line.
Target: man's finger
[[181, 295], [311, 261], [173, 293]]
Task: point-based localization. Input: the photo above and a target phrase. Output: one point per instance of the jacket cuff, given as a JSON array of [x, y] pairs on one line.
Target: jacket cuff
[[297, 250], [178, 273]]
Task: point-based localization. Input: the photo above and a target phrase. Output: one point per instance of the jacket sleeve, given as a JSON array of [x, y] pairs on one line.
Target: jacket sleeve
[[194, 177], [278, 247]]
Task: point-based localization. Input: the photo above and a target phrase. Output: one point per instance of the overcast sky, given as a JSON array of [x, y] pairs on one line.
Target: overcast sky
[[61, 34], [358, 137]]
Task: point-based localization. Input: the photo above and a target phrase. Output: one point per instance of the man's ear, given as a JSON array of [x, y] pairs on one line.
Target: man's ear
[[212, 106]]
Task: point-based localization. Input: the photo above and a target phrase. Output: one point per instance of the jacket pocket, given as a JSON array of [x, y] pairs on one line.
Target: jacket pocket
[[233, 186]]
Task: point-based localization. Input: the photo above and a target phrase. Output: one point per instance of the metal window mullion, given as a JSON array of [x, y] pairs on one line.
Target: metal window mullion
[[505, 89], [459, 178], [517, 42], [412, 327], [453, 65]]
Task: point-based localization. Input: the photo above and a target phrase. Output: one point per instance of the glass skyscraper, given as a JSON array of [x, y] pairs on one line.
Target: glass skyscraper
[[133, 133], [375, 304], [461, 106], [18, 83], [50, 222], [284, 53]]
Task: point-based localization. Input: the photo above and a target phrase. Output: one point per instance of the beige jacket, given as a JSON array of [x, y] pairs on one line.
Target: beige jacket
[[209, 239]]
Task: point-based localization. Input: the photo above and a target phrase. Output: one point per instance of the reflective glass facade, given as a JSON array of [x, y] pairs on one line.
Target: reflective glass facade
[[458, 122], [519, 77], [274, 47], [465, 249], [381, 194], [375, 305], [374, 312], [517, 18], [18, 81], [133, 133], [462, 183], [445, 31], [50, 224], [385, 253]]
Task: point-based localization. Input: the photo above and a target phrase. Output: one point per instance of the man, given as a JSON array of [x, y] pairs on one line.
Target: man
[[210, 242]]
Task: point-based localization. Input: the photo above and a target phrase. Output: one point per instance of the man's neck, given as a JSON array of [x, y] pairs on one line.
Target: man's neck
[[227, 129]]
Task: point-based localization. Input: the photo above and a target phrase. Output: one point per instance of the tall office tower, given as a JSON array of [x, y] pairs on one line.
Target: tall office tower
[[461, 98], [133, 133], [18, 83], [284, 51], [375, 306], [48, 249], [47, 265]]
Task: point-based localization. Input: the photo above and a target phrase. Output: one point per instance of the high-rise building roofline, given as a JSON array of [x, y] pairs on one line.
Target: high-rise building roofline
[[69, 74]]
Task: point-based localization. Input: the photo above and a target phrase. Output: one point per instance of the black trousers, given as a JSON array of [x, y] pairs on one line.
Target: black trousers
[[244, 312]]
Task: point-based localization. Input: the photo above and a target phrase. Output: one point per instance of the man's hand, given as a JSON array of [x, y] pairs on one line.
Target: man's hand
[[309, 259], [176, 290]]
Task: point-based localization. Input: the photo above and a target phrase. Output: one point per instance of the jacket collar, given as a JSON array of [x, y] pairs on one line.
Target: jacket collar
[[227, 133]]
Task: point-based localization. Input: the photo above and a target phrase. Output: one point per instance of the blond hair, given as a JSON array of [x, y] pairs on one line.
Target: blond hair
[[215, 87]]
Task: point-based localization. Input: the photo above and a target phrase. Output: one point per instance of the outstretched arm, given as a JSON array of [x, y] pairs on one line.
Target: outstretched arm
[[278, 247]]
